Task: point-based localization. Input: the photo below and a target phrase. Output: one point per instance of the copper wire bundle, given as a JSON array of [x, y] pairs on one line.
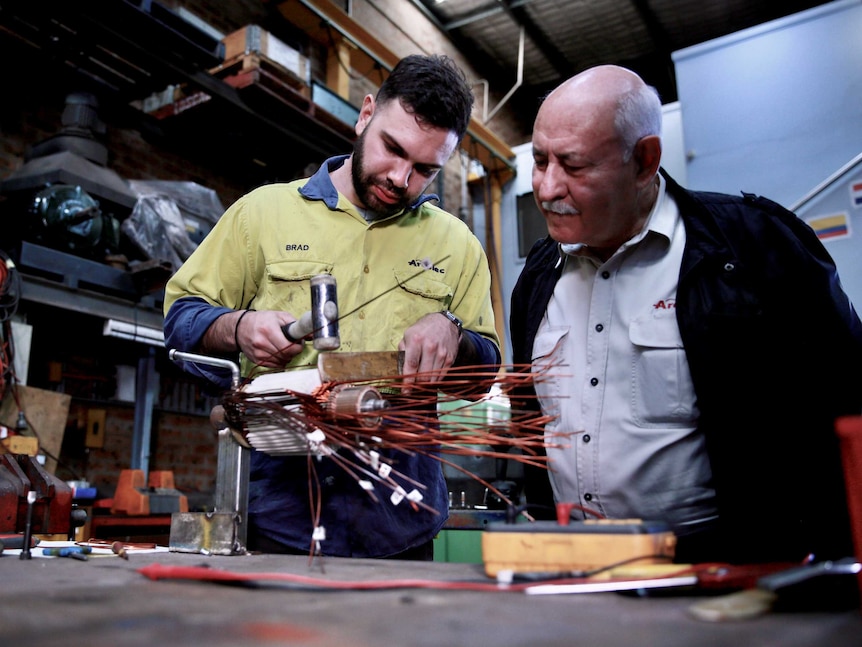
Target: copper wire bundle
[[362, 418]]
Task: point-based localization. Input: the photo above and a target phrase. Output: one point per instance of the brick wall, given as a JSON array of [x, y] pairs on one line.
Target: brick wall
[[184, 444]]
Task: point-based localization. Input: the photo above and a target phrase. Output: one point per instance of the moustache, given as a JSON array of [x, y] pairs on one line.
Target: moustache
[[390, 187], [560, 208]]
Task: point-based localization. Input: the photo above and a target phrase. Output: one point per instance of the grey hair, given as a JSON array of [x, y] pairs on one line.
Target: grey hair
[[638, 115]]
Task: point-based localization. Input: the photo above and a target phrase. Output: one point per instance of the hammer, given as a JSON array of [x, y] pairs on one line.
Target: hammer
[[322, 319]]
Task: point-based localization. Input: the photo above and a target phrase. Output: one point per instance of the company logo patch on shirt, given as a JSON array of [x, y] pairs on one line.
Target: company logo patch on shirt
[[426, 264], [830, 227]]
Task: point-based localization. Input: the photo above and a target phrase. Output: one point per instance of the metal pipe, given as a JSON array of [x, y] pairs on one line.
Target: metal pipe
[[519, 81], [175, 354]]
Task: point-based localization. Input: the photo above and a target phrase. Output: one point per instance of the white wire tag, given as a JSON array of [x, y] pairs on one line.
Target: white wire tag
[[397, 495]]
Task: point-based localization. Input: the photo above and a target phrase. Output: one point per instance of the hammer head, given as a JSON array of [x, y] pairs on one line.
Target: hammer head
[[324, 312]]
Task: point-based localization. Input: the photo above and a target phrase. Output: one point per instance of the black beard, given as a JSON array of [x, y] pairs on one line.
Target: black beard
[[363, 182]]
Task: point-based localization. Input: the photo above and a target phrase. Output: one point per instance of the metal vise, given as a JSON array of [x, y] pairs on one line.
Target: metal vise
[[53, 511]]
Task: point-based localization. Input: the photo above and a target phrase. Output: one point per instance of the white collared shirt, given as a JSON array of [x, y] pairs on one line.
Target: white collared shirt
[[619, 379]]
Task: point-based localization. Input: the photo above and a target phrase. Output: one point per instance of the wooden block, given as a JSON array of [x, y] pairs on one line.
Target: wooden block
[[546, 547], [46, 411], [20, 445]]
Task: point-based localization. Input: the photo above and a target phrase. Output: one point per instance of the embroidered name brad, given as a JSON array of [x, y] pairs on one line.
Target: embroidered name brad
[[296, 248]]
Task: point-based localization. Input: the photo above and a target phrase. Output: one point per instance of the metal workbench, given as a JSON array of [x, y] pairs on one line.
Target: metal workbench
[[48, 602]]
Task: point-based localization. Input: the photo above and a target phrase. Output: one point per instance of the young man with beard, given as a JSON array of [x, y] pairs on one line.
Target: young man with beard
[[405, 270]]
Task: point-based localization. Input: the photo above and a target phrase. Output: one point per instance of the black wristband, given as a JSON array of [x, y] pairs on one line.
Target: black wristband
[[236, 329], [455, 320]]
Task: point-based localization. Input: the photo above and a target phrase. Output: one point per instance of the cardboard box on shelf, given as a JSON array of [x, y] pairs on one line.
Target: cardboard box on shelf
[[252, 39]]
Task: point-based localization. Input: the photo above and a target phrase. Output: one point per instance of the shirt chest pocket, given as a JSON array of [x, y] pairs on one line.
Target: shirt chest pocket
[[662, 392], [417, 296], [287, 285]]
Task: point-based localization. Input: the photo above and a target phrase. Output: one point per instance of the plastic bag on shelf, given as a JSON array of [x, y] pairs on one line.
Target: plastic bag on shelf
[[170, 219]]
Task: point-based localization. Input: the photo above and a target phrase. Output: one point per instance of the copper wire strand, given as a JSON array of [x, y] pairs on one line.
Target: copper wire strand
[[315, 503], [355, 469]]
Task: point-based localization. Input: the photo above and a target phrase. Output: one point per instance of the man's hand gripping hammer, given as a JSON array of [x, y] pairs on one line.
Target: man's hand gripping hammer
[[322, 320]]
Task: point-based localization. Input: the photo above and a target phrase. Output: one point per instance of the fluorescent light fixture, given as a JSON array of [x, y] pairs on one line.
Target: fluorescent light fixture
[[134, 332]]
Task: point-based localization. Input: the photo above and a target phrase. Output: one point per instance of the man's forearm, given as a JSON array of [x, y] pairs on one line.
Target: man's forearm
[[221, 336]]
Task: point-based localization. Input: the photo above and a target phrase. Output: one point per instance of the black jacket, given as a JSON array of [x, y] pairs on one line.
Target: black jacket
[[775, 352]]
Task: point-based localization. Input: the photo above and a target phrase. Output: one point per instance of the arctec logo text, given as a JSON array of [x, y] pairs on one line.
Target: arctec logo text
[[426, 264]]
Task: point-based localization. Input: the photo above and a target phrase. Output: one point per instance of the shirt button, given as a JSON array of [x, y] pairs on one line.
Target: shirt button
[[606, 275], [366, 269], [594, 381], [586, 438], [599, 327], [588, 497]]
